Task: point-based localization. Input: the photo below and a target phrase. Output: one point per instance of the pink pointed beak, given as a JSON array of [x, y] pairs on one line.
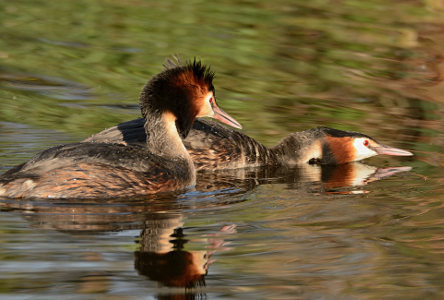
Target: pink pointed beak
[[382, 149], [222, 116]]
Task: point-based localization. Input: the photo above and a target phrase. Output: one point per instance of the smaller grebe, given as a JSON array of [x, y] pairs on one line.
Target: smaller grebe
[[170, 102], [214, 146]]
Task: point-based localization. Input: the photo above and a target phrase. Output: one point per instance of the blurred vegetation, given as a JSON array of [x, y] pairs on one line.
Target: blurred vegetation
[[282, 66]]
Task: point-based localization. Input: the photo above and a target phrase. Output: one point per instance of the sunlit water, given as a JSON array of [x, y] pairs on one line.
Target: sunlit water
[[370, 230]]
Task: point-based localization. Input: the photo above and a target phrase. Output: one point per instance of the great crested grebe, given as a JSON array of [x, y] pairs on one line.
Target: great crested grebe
[[170, 102], [214, 146]]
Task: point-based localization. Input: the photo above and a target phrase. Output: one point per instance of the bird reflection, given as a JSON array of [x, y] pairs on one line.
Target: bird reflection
[[162, 254], [304, 178]]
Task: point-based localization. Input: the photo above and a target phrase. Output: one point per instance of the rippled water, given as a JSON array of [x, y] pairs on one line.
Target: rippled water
[[366, 230]]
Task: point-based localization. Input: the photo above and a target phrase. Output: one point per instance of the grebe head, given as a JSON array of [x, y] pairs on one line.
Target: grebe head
[[330, 146], [345, 146], [184, 92]]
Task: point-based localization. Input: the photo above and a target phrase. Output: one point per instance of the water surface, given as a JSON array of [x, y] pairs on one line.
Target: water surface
[[372, 230]]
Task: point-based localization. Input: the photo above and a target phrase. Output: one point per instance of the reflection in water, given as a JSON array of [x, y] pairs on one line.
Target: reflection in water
[[308, 177], [162, 254], [162, 257]]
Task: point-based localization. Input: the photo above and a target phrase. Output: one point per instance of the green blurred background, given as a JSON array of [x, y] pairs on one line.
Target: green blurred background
[[281, 66]]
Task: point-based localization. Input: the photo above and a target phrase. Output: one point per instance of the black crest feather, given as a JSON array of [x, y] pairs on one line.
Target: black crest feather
[[202, 72], [342, 133]]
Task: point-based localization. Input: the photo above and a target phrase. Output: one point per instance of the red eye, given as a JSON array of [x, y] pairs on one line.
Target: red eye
[[366, 143], [211, 100]]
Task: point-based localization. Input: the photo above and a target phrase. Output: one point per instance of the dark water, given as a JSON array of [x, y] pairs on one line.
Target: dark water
[[370, 230]]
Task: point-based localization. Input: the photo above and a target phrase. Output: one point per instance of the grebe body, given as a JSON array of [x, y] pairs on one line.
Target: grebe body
[[214, 146]]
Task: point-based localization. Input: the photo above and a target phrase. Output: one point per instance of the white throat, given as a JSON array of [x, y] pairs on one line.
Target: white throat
[[361, 150]]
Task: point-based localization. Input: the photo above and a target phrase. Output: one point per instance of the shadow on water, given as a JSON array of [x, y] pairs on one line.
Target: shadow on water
[[161, 254]]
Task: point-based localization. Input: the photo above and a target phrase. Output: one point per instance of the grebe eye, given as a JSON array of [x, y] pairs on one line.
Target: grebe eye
[[211, 100], [366, 142]]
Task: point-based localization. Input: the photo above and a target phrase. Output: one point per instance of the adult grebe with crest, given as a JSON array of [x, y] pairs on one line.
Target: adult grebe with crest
[[169, 102]]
